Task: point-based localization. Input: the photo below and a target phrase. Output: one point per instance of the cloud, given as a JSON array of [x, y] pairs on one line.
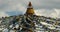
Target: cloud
[[55, 13], [43, 7], [3, 14], [58, 12]]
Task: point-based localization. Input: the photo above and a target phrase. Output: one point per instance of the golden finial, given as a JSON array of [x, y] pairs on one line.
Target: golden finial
[[29, 4]]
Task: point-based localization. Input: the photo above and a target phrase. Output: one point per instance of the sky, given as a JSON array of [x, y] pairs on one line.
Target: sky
[[48, 8]]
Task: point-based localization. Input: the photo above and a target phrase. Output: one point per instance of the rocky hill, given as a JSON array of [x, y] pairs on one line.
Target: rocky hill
[[36, 22]]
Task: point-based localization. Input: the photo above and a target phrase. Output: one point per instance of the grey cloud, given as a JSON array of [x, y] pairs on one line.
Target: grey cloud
[[21, 5], [37, 4]]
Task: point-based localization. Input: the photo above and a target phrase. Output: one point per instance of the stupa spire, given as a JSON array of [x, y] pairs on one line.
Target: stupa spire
[[29, 4], [30, 10]]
